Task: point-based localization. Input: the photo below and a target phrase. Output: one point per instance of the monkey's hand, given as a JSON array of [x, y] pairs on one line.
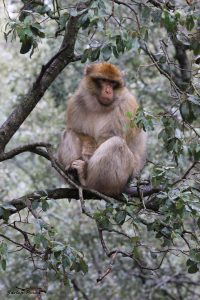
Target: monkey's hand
[[81, 167]]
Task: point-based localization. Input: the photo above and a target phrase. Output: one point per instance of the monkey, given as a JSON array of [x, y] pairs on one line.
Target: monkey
[[97, 143]]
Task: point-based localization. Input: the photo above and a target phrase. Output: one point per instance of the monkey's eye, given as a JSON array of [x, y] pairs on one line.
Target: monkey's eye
[[101, 81], [98, 81], [114, 84]]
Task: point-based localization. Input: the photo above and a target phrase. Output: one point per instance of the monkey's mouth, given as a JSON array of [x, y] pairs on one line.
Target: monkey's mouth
[[106, 101]]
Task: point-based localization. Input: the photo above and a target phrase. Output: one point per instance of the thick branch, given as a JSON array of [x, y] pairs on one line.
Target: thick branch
[[184, 63], [26, 148], [66, 193]]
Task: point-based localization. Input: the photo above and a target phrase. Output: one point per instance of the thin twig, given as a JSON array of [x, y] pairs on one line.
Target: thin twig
[[132, 9], [109, 269], [186, 173]]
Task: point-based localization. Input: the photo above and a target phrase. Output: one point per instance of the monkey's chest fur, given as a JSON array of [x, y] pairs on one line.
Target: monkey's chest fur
[[94, 129]]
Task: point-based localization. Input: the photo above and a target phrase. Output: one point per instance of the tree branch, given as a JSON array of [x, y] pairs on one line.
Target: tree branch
[[30, 148], [182, 58], [66, 193]]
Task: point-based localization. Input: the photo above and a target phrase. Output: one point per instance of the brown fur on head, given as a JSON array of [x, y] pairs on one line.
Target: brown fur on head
[[105, 71]]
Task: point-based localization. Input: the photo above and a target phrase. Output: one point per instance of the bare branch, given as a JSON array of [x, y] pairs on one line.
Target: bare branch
[[113, 257], [132, 9], [30, 148], [186, 173]]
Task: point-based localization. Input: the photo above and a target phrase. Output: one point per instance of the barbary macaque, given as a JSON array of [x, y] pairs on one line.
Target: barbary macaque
[[97, 142]]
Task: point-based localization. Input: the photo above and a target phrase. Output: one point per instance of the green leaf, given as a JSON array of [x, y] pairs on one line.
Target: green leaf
[[66, 262], [3, 248], [114, 49], [193, 269], [57, 255], [168, 21], [25, 34], [102, 220], [144, 33], [58, 248], [83, 266], [156, 16], [26, 46], [146, 12], [186, 111], [45, 205], [130, 211], [195, 255], [43, 9], [44, 242], [6, 215], [107, 52], [136, 252], [129, 114], [135, 240], [190, 23], [86, 23], [28, 20], [66, 281], [36, 25], [37, 32], [62, 20], [3, 264], [95, 54], [198, 222], [119, 44], [195, 46], [37, 239], [120, 217], [86, 55]]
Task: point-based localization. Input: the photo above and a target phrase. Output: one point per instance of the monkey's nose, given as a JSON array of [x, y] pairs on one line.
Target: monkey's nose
[[108, 90]]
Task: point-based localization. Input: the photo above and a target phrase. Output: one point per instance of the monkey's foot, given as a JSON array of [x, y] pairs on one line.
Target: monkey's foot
[[80, 166], [72, 173]]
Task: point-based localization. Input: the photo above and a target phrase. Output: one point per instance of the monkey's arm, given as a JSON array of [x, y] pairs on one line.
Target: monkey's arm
[[137, 145], [69, 148]]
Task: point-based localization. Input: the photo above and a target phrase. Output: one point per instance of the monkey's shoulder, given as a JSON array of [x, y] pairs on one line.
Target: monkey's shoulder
[[128, 101]]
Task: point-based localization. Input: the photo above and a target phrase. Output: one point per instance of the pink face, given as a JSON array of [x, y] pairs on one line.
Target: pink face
[[106, 91]]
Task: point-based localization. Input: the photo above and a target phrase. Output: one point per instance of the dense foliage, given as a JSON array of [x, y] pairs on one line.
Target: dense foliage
[[143, 245]]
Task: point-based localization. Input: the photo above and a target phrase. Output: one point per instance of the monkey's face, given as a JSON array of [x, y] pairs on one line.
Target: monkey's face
[[105, 90]]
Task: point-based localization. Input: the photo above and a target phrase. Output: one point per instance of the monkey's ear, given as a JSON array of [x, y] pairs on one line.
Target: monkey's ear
[[88, 70]]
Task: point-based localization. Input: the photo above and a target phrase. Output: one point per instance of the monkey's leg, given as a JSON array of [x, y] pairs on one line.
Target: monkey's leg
[[69, 148], [110, 167]]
